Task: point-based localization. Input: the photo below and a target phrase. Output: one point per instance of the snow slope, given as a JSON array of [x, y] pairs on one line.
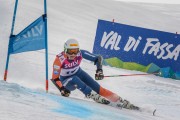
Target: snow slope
[[23, 97], [28, 104]]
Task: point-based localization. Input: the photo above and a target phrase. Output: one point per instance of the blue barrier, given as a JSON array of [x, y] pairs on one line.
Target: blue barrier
[[137, 45]]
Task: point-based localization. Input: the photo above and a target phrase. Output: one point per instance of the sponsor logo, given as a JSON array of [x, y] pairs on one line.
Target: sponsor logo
[[35, 31], [152, 46], [56, 72], [75, 63], [56, 67], [73, 44]]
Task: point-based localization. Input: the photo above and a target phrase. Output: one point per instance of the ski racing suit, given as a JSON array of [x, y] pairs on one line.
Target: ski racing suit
[[68, 73]]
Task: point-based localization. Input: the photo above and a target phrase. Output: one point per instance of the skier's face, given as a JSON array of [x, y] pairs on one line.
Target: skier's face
[[71, 53]]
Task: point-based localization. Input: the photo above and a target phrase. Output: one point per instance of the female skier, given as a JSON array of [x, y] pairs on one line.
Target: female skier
[[67, 75]]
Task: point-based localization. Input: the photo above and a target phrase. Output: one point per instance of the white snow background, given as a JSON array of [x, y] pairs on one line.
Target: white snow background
[[23, 96]]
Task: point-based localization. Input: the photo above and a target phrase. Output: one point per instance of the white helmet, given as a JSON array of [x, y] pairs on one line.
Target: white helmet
[[71, 44]]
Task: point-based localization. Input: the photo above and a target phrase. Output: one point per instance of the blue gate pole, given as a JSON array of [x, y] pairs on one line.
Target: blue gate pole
[[11, 34], [46, 43]]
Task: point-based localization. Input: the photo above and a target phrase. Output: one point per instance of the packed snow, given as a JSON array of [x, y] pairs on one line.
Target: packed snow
[[23, 96]]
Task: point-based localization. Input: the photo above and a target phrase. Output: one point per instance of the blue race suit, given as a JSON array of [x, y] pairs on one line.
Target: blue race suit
[[68, 73]]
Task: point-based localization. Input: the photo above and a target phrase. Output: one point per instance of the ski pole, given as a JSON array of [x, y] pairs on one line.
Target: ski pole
[[132, 75]]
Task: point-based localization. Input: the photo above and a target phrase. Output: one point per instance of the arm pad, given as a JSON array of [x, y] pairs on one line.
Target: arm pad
[[99, 62], [54, 82]]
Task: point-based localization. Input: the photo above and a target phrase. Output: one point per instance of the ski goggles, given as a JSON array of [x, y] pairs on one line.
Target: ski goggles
[[72, 51]]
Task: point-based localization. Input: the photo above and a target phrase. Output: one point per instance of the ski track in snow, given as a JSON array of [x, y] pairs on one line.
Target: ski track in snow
[[28, 99]]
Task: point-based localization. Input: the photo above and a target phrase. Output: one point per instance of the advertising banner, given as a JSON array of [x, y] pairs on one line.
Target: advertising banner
[[30, 39], [137, 45]]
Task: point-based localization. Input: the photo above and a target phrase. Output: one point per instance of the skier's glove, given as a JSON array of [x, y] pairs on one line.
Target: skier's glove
[[64, 92], [99, 74]]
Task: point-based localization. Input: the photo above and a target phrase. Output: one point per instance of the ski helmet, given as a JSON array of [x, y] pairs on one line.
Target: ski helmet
[[71, 44]]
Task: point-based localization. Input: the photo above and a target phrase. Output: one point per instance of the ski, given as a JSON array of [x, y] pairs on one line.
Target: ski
[[151, 111]]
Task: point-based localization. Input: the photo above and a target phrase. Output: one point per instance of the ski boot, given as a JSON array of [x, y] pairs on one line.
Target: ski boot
[[126, 104], [97, 98]]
